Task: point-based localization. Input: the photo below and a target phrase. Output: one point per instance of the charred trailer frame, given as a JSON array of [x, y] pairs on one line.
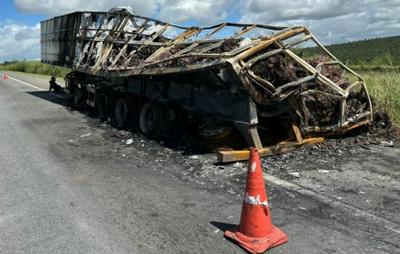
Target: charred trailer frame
[[245, 74]]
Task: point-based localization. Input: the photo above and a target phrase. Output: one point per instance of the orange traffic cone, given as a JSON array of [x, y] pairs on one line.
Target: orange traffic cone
[[5, 77], [256, 233]]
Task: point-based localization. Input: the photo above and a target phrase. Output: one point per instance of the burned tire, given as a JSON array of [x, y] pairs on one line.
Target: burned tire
[[125, 112], [102, 106], [219, 135], [151, 119]]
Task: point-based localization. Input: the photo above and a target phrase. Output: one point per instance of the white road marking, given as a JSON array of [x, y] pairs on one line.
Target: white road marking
[[26, 83], [334, 202], [392, 226], [33, 86]]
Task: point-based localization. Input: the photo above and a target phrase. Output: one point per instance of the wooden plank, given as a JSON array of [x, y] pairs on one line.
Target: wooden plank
[[242, 155], [297, 132]]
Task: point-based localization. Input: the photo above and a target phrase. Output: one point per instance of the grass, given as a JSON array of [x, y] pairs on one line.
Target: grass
[[35, 67], [384, 88], [375, 68]]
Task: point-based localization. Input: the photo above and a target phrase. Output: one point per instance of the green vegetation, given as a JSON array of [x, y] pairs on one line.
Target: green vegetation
[[372, 52], [35, 67], [384, 88]]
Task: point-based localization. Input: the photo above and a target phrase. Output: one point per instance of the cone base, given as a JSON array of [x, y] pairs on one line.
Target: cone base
[[258, 244]]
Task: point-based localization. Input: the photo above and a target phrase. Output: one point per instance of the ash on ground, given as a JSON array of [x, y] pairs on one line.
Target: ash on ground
[[306, 163], [350, 168]]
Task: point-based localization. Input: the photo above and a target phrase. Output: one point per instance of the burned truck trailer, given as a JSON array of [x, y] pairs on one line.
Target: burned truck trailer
[[247, 77]]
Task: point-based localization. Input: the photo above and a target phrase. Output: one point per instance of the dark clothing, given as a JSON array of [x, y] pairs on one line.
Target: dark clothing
[[54, 86]]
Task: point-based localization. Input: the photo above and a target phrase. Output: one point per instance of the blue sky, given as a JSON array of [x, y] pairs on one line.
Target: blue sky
[[9, 12], [332, 21]]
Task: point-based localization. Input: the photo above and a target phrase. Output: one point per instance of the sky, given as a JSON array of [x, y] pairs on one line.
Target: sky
[[332, 21]]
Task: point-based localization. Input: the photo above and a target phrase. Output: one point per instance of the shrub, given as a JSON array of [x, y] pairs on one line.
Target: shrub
[[35, 67]]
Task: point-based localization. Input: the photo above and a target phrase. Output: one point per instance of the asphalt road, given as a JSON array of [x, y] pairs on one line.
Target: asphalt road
[[70, 184]]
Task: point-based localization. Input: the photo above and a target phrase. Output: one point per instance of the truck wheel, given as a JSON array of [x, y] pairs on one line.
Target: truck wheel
[[79, 98], [125, 112], [150, 119], [102, 104]]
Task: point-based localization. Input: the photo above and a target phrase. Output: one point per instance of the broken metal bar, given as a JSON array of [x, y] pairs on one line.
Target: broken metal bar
[[145, 43], [243, 48], [108, 47], [312, 91], [339, 129], [293, 84], [188, 33], [92, 43], [155, 44], [212, 46], [295, 43], [122, 51], [175, 58], [265, 83], [263, 56], [196, 43], [318, 75], [218, 28], [245, 30], [268, 41]]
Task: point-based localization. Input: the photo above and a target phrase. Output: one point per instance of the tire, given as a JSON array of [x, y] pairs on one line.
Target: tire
[[151, 119], [102, 106], [218, 135], [79, 98], [125, 112]]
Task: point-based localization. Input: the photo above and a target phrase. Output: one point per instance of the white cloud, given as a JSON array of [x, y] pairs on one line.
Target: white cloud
[[332, 21], [204, 11], [273, 10], [54, 7], [19, 41]]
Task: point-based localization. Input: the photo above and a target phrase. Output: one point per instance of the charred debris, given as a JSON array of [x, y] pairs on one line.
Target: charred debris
[[242, 77]]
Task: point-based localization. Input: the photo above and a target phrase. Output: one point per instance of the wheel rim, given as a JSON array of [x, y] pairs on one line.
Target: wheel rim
[[148, 119], [102, 105], [121, 112]]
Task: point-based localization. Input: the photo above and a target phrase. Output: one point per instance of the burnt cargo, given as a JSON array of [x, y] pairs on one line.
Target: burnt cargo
[[242, 78]]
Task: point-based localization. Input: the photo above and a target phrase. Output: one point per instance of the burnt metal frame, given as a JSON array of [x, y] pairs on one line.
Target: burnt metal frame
[[241, 58]]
